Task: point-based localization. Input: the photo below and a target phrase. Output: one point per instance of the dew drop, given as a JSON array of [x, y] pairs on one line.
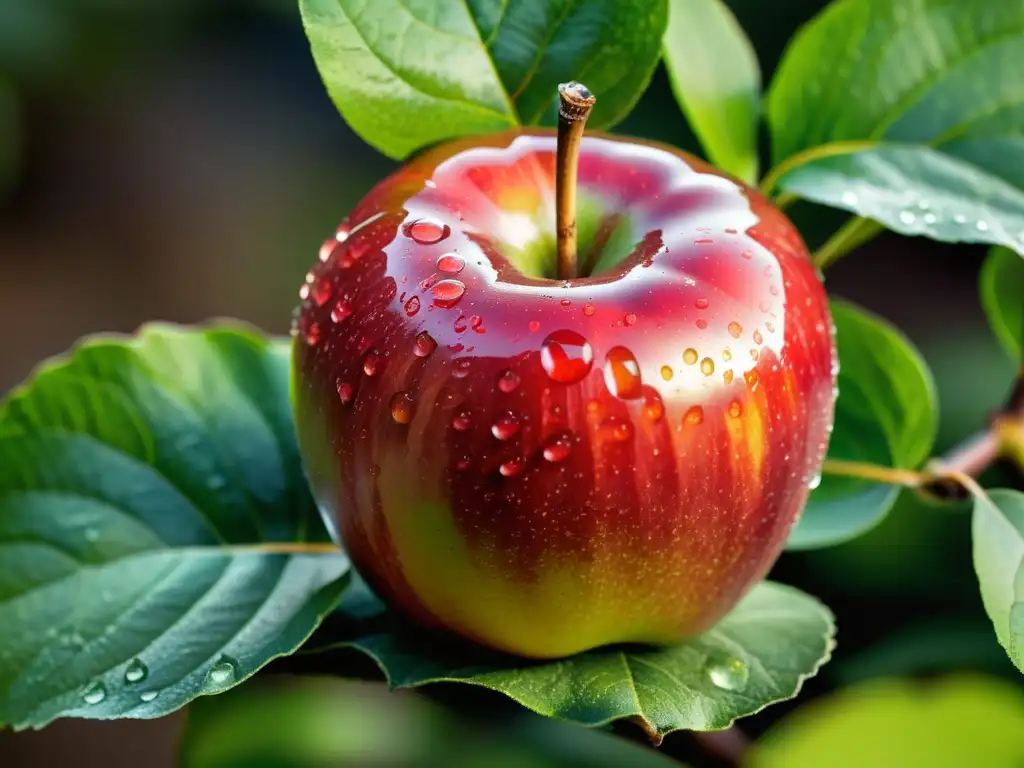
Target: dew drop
[[735, 329], [981, 225], [460, 324], [460, 369], [448, 292], [754, 354], [345, 392], [849, 198], [694, 416], [327, 248], [622, 374], [463, 464], [735, 409], [506, 427], [401, 407], [427, 231], [703, 241], [221, 674], [565, 302], [908, 217], [707, 366], [512, 467], [690, 356], [508, 381], [424, 345], [747, 255], [702, 323], [769, 327], [929, 218], [558, 448], [340, 311], [149, 696], [371, 363], [959, 218], [752, 379], [594, 408], [412, 306], [726, 671], [758, 338], [461, 421], [95, 694], [666, 373], [726, 354], [701, 303], [727, 376], [91, 535], [588, 309], [814, 481], [451, 264], [629, 319], [534, 326], [136, 672], [566, 356], [304, 291], [477, 324]]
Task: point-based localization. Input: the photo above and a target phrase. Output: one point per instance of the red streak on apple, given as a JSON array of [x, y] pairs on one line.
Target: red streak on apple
[[547, 466]]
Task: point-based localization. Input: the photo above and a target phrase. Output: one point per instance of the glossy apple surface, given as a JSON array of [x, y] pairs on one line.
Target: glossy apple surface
[[547, 466]]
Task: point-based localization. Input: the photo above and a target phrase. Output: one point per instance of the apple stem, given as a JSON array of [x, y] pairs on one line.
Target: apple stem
[[574, 105]]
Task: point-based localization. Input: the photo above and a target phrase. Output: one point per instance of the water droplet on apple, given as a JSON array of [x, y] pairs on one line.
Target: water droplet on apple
[[747, 255], [629, 319], [448, 292], [727, 376], [758, 338], [726, 671], [752, 379], [701, 303], [565, 303], [703, 241], [707, 366], [322, 291], [451, 264], [727, 354], [401, 407], [412, 306], [312, 334], [424, 345], [694, 416], [558, 447], [654, 408], [304, 291], [702, 323], [735, 329], [588, 309], [616, 429], [371, 363], [461, 421], [512, 467], [666, 373], [340, 311], [327, 248], [735, 409], [769, 327], [460, 369], [460, 326], [462, 464], [690, 356], [534, 326], [814, 481], [427, 231], [622, 374], [508, 381], [754, 354], [477, 324], [344, 392], [506, 427], [566, 356]]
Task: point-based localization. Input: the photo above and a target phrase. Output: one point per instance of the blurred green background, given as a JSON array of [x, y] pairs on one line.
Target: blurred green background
[[179, 160]]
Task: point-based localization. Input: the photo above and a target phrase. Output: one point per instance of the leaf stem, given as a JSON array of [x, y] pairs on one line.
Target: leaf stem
[[853, 234], [295, 548], [574, 105], [772, 178]]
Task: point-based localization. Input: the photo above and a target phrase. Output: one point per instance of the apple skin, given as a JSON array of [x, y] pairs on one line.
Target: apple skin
[[547, 466]]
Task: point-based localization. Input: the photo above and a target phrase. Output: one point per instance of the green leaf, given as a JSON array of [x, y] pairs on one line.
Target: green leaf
[[958, 721], [409, 73], [886, 414], [1002, 295], [717, 81], [998, 536], [915, 190], [158, 538], [914, 71], [315, 722], [759, 654]]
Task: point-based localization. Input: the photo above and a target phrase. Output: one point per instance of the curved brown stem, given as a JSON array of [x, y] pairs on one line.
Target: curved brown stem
[[574, 105]]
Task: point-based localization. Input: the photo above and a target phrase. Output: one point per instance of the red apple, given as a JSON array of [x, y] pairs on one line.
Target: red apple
[[546, 466]]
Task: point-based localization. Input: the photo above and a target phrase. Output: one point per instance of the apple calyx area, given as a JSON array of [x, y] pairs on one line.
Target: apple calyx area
[[546, 465]]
